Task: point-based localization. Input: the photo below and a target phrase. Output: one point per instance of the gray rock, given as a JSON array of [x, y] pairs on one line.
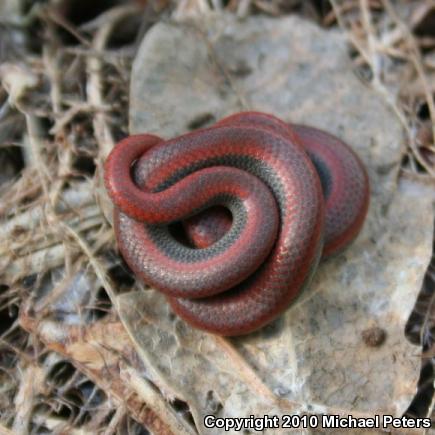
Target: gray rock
[[314, 357]]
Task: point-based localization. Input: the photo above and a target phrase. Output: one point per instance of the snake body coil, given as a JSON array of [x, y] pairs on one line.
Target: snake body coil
[[253, 205]]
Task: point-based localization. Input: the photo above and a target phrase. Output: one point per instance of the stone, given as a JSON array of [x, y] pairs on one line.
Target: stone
[[314, 358]]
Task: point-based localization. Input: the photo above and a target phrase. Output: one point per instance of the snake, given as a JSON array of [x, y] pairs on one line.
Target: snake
[[261, 201]]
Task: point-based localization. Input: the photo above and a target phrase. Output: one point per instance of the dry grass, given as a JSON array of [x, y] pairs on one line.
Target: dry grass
[[63, 99]]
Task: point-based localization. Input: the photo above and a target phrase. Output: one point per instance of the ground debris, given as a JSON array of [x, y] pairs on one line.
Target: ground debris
[[84, 348]]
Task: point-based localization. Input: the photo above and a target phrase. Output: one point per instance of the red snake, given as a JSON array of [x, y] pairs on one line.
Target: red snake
[[260, 201]]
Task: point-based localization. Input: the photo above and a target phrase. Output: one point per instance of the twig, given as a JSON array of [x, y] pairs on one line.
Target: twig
[[66, 117], [95, 83], [355, 42], [416, 60], [73, 200], [36, 146], [40, 241], [377, 83], [97, 266], [62, 22], [42, 260], [120, 413], [24, 399]]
